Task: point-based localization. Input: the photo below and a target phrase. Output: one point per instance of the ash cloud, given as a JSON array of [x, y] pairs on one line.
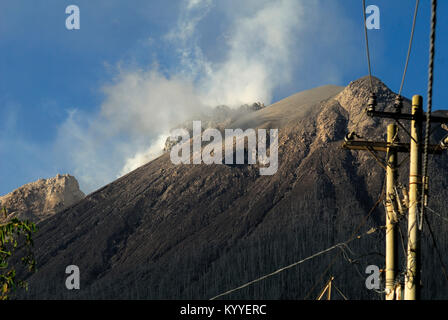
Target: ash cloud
[[261, 47]]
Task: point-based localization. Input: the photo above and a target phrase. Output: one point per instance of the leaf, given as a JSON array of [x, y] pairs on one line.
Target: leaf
[[13, 235]]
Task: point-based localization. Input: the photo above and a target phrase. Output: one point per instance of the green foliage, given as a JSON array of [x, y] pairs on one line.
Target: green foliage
[[15, 234]]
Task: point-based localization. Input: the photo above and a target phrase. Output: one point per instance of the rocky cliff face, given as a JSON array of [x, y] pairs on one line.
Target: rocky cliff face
[[168, 231], [41, 199]]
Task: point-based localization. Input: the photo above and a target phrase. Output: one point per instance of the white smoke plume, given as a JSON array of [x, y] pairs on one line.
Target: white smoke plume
[[259, 48], [139, 110], [144, 157]]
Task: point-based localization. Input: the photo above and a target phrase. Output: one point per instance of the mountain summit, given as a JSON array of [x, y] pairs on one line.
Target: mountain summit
[[41, 199], [168, 231]]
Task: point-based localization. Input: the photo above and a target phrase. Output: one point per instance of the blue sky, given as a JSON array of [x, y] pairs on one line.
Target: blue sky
[[96, 102]]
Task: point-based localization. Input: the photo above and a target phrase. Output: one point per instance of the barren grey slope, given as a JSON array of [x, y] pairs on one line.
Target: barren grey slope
[[193, 231]]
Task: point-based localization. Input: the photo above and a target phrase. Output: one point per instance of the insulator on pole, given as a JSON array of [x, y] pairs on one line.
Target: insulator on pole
[[349, 137], [371, 103], [398, 104], [444, 143], [405, 193], [393, 202], [399, 202]]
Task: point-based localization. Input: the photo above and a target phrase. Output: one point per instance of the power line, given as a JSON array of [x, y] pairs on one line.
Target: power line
[[367, 44], [372, 100], [432, 50], [363, 222], [437, 214], [410, 46], [296, 263], [340, 292], [352, 238], [402, 241]]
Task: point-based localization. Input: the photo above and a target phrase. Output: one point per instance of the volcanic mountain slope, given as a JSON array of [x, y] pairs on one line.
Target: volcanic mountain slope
[[169, 231]]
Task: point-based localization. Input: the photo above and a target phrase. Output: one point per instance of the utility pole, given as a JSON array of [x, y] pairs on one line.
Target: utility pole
[[412, 281], [392, 148], [391, 215]]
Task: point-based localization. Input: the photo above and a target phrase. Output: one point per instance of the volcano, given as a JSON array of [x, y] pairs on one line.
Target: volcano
[[168, 231]]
